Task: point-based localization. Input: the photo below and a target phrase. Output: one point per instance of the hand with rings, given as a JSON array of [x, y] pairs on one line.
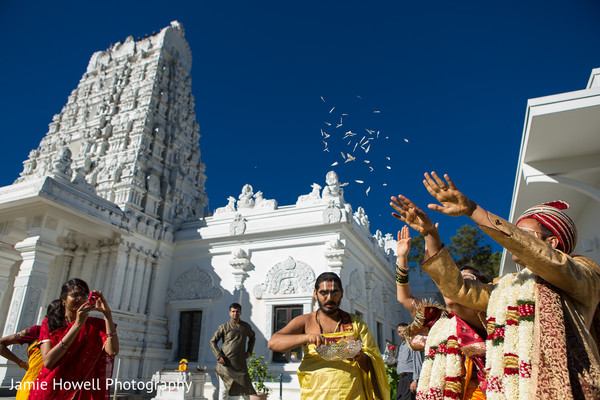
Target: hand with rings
[[453, 201], [412, 215]]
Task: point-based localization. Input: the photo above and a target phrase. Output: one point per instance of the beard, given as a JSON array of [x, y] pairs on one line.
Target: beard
[[328, 311]]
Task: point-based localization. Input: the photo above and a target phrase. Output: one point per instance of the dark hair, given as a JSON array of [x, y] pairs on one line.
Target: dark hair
[[56, 312], [401, 324], [235, 306], [481, 276], [328, 277]]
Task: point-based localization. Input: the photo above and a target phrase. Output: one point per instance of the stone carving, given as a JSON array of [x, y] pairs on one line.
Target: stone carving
[[238, 225], [131, 131], [379, 238], [62, 164], [194, 284], [332, 213], [333, 190], [230, 207], [287, 277], [335, 255], [271, 204], [240, 263], [355, 290], [361, 218], [245, 198], [314, 195], [377, 299]]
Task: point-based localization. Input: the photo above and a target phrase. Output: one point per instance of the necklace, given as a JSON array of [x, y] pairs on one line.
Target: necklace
[[319, 322]]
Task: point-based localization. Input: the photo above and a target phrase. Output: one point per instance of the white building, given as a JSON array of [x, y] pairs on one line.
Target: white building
[[560, 160], [115, 195]]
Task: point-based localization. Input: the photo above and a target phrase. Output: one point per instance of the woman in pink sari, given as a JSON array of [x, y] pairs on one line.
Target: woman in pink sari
[[77, 350]]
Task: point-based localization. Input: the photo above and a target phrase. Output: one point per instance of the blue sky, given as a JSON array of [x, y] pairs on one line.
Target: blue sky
[[452, 78]]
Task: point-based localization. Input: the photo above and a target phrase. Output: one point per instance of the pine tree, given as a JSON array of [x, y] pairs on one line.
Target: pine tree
[[468, 248]]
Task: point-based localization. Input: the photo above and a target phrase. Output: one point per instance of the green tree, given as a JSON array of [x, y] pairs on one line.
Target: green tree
[[467, 248]]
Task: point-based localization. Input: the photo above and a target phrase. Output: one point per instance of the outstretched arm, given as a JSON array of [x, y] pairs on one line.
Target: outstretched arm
[[403, 293], [414, 217], [293, 335], [453, 202]]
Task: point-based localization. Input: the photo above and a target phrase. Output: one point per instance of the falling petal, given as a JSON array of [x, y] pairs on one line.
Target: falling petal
[[388, 158], [334, 164], [338, 125], [367, 161], [344, 184], [376, 112], [326, 135], [344, 114], [368, 190], [328, 123], [359, 97], [358, 181], [355, 147], [387, 137], [367, 150], [323, 99], [343, 155], [388, 167], [331, 109], [327, 150], [370, 168], [385, 184], [406, 140]]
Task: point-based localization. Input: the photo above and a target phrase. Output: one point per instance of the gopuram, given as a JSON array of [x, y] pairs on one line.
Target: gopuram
[[114, 194]]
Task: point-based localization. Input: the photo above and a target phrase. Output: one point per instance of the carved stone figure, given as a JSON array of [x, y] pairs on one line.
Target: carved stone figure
[[333, 190], [361, 218], [262, 202], [62, 164], [245, 198], [315, 194], [230, 207]]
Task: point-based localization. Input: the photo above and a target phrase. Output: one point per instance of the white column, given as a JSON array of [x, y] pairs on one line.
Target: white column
[[8, 258], [29, 287]]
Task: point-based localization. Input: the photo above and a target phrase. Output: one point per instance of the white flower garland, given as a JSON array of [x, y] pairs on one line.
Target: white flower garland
[[509, 347], [442, 367]]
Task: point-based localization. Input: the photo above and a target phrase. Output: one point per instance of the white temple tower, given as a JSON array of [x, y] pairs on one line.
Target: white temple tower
[[115, 176]]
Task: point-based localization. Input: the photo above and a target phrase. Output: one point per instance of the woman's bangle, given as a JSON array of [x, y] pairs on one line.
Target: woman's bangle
[[401, 276], [62, 344], [113, 333]]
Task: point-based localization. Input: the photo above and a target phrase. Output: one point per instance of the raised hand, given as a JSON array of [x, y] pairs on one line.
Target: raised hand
[[403, 246], [101, 304], [413, 216], [453, 201]]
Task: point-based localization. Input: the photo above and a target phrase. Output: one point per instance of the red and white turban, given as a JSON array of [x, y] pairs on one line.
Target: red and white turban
[[559, 223]]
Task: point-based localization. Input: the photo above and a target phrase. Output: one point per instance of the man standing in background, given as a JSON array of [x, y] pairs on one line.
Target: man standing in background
[[408, 368], [232, 369]]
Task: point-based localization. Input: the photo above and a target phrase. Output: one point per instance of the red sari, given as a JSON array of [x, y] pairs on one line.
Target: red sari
[[81, 373]]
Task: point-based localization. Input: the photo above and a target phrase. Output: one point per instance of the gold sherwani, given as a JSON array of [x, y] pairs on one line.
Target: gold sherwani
[[566, 362]]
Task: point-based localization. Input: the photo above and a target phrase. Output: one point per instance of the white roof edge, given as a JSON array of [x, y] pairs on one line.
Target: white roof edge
[[562, 97], [594, 80]]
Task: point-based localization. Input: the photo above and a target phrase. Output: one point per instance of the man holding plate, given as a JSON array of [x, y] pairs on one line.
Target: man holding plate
[[341, 359]]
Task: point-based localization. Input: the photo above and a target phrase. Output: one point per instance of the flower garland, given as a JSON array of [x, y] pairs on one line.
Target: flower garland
[[442, 367], [509, 345]]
